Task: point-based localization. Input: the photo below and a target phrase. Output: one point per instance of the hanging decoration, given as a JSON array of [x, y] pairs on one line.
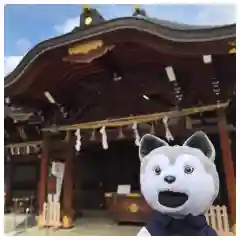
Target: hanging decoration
[[104, 137], [137, 137], [168, 135], [12, 151], [93, 136], [24, 148], [152, 131], [27, 150], [78, 140], [120, 134], [18, 151]]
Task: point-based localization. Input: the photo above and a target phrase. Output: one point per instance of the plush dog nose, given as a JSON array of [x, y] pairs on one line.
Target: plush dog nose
[[169, 179]]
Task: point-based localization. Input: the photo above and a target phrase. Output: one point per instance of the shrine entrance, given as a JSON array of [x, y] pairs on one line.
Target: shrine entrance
[[98, 171], [89, 86]]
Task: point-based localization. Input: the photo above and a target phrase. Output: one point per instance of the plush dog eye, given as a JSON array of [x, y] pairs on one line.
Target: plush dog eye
[[157, 170], [188, 169]]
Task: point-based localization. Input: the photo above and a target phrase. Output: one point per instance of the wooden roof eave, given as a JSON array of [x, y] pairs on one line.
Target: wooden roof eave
[[165, 30]]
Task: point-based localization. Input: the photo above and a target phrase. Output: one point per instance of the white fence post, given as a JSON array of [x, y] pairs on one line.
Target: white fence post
[[51, 214], [217, 217]]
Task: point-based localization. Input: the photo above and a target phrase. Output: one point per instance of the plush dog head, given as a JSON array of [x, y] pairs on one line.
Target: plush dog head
[[178, 180]]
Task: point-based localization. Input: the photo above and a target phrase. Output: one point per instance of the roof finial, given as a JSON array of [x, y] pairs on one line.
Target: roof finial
[[85, 6], [139, 11], [90, 16]]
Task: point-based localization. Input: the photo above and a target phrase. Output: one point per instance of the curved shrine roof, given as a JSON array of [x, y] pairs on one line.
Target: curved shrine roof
[[166, 30]]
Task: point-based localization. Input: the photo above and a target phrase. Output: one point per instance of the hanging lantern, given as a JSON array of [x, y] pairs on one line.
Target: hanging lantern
[[120, 134], [168, 133], [78, 140], [152, 131], [93, 136], [104, 137], [137, 137]]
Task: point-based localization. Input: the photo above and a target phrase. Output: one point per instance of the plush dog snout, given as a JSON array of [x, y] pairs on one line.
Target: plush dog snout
[[169, 179]]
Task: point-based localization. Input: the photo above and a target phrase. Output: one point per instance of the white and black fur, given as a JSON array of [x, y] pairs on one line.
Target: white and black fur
[[187, 171]]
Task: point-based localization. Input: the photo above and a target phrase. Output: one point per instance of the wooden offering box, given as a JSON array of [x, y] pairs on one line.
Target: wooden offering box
[[127, 208]]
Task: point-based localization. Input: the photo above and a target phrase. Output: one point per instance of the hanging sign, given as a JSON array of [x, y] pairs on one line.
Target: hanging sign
[[58, 171], [85, 48]]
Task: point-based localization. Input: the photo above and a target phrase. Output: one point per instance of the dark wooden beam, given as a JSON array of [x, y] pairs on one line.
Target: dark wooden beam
[[227, 163], [68, 185], [42, 188]]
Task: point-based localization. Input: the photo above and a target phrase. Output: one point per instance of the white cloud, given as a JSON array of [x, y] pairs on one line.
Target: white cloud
[[216, 15], [23, 45], [68, 25], [10, 62]]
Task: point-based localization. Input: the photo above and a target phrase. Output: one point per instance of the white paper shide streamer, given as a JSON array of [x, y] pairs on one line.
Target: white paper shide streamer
[[78, 140], [168, 135], [27, 149], [104, 137], [11, 151], [137, 137], [18, 151]]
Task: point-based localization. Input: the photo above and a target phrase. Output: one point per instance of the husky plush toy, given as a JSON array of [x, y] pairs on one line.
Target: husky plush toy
[[179, 183]]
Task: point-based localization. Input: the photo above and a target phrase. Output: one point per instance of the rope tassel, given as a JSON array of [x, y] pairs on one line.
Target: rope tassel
[[137, 137], [168, 135], [104, 137], [78, 140]]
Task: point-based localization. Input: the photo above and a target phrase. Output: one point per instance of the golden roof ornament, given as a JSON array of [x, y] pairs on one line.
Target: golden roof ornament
[[85, 48], [90, 16], [232, 47], [139, 11]]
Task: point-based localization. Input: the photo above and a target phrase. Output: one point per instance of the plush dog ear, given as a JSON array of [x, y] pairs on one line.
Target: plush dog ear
[[148, 143], [201, 141]]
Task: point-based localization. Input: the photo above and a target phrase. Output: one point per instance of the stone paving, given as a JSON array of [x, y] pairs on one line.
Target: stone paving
[[86, 226]]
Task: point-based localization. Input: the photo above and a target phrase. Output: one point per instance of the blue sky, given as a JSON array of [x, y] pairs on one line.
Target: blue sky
[[27, 25]]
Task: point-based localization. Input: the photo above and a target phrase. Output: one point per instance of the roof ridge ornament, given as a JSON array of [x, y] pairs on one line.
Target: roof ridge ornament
[[90, 16], [139, 12], [232, 49]]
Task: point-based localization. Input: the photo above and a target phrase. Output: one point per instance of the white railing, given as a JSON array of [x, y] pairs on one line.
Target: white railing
[[217, 217], [52, 214]]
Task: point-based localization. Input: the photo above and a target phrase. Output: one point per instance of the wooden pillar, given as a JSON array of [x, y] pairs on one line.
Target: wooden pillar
[[42, 188], [8, 182], [68, 185], [227, 163]]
